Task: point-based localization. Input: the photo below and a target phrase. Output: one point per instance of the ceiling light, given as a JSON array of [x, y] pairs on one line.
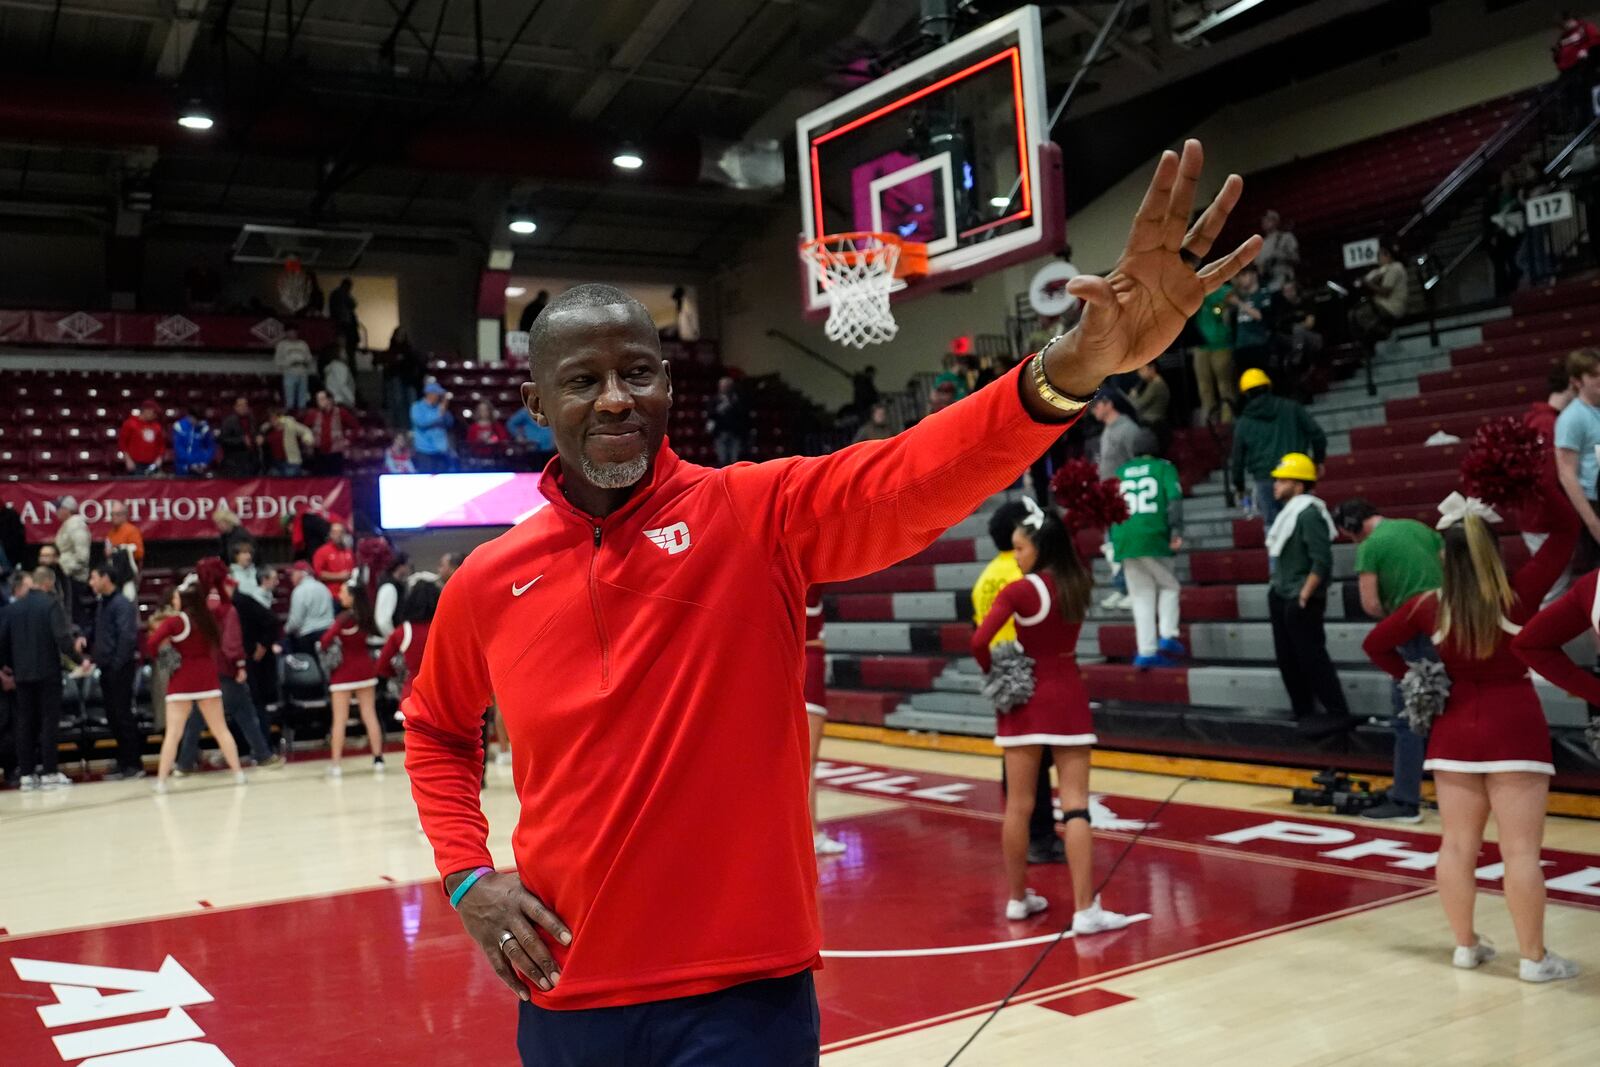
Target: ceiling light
[[999, 201], [523, 225], [195, 117], [627, 158], [515, 290]]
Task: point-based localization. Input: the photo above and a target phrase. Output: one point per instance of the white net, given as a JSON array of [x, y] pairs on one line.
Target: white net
[[294, 291], [517, 344], [856, 270]]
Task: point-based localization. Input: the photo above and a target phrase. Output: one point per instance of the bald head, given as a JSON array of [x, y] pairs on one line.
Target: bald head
[[579, 298]]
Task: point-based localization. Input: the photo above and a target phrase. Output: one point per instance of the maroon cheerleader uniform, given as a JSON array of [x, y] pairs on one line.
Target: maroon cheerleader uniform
[[1058, 711], [816, 689], [356, 669], [408, 641], [1541, 644], [197, 676], [1493, 721]]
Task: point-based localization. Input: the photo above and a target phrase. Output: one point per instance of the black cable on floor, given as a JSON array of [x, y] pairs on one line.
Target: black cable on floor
[[1027, 975]]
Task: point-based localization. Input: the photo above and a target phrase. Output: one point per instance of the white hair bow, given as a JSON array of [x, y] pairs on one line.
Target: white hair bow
[[1456, 507], [1034, 520], [191, 580]]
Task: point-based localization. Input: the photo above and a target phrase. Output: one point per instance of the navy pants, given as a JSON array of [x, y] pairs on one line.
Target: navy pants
[[1410, 749], [773, 1023]]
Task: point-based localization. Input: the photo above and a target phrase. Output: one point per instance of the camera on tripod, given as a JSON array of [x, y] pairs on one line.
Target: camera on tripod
[[1337, 790]]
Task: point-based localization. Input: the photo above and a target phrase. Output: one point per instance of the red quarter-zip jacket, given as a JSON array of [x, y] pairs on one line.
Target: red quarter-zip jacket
[[649, 666]]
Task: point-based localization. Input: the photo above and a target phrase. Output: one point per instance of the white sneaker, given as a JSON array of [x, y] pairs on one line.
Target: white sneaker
[[502, 758], [239, 778], [1030, 904], [160, 786], [54, 781], [1116, 601], [1096, 920], [377, 766], [29, 783], [1468, 957], [335, 771], [827, 846], [1549, 969]]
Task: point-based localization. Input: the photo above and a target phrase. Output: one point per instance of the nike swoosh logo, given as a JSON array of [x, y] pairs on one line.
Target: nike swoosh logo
[[518, 590]]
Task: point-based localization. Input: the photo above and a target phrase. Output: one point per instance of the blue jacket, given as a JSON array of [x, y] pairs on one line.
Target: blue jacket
[[430, 428], [523, 428], [193, 444]]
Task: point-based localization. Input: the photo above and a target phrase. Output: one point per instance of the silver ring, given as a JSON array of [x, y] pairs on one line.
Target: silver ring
[[504, 937]]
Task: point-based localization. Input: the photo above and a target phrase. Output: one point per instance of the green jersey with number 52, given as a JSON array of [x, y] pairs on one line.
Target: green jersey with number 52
[[1150, 486]]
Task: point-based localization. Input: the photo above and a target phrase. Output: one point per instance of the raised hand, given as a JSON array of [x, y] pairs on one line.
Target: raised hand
[[1135, 312]]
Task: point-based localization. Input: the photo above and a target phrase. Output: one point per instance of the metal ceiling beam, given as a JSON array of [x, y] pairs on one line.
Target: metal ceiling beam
[[182, 29], [632, 52], [1129, 50]]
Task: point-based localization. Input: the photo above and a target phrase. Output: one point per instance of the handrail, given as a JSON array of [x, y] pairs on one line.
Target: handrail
[[1572, 146], [813, 353]]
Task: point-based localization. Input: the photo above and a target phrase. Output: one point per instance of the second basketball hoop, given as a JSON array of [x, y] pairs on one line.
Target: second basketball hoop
[[858, 271]]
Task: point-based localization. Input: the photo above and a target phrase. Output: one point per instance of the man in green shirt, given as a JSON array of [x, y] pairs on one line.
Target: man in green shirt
[[1143, 544], [1396, 560], [1300, 542], [1213, 357]]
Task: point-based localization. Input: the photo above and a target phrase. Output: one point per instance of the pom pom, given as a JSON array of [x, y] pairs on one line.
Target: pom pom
[[1086, 501], [1010, 681], [1505, 463], [211, 572], [1424, 692]]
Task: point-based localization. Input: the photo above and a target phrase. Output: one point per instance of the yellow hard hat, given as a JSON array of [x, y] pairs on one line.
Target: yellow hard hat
[[1296, 466], [1253, 378]]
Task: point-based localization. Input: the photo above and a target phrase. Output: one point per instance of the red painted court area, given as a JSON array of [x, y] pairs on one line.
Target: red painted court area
[[912, 917]]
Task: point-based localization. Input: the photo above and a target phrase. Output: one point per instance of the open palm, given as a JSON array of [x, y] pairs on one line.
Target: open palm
[[1136, 312]]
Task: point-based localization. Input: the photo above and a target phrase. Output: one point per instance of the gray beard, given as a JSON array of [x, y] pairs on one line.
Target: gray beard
[[616, 475]]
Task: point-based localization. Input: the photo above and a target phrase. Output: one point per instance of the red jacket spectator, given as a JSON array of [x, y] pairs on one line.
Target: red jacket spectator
[[1578, 38], [142, 439], [333, 558], [333, 427], [487, 433], [1541, 416]]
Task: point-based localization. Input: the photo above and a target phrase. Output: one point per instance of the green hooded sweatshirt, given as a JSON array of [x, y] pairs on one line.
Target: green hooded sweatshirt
[[1269, 428]]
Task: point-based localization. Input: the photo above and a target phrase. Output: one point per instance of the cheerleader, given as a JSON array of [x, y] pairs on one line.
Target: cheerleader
[[816, 693], [409, 637], [193, 634], [1489, 749], [356, 674], [1048, 605]]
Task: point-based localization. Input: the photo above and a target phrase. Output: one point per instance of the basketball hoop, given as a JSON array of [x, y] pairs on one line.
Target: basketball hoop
[[858, 271], [517, 344], [294, 287]]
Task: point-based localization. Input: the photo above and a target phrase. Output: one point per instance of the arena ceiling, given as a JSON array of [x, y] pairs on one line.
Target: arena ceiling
[[424, 119]]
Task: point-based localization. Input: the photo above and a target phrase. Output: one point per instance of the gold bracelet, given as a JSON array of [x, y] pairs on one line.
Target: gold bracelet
[[1062, 402]]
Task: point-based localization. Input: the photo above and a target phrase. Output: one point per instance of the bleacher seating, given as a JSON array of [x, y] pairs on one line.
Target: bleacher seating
[[897, 640]]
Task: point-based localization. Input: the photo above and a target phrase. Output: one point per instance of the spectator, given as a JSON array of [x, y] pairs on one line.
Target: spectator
[[402, 377], [241, 447], [332, 426], [286, 440], [409, 639], [878, 427], [231, 531], [1252, 330], [193, 634], [262, 633], [1295, 341], [729, 423], [112, 649], [339, 381], [1300, 543], [525, 428], [13, 535], [687, 319], [1388, 292], [124, 550], [142, 440], [311, 609], [1120, 436], [1044, 846], [294, 361], [430, 430], [864, 390], [242, 570], [342, 311], [233, 675], [391, 592], [952, 376], [1505, 228], [1576, 51], [448, 562], [1143, 544], [1151, 400], [1279, 255], [486, 434], [20, 583], [1213, 357], [1541, 416], [1396, 560], [355, 675], [532, 310], [194, 445], [72, 541], [1577, 438], [397, 457], [334, 562], [34, 638], [1270, 427], [50, 560]]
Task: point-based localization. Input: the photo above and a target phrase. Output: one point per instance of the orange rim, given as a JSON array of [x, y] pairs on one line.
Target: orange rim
[[913, 262]]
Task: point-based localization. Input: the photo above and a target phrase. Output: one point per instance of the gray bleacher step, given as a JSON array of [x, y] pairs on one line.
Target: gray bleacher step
[[957, 577], [909, 718], [1338, 443], [1357, 399]]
